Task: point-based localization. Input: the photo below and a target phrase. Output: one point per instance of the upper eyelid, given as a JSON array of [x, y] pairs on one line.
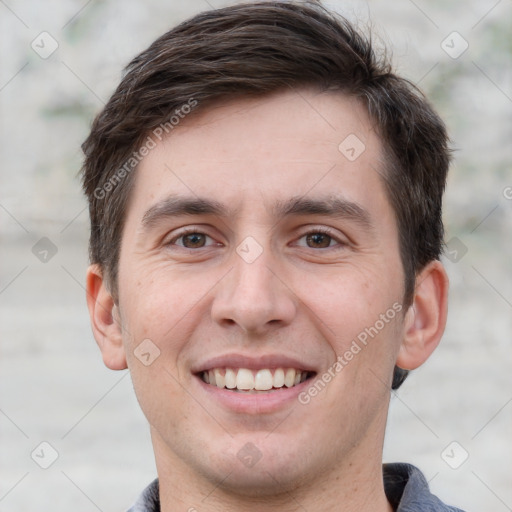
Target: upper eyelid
[[190, 228], [317, 229], [325, 230]]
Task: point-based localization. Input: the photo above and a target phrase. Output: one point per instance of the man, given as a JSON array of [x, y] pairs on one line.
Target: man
[[265, 201]]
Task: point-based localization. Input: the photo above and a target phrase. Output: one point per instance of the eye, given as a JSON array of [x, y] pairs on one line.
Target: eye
[[318, 239], [192, 240]]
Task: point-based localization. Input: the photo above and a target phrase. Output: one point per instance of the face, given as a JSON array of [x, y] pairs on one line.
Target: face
[[260, 259]]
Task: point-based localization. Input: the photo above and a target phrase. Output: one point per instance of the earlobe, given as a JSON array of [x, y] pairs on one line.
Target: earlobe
[[425, 320], [105, 323]]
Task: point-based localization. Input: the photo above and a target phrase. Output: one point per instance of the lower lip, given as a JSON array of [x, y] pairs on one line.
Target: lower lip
[[254, 403]]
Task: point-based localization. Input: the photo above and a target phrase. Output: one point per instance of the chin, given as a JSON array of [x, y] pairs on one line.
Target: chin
[[251, 473], [260, 483]]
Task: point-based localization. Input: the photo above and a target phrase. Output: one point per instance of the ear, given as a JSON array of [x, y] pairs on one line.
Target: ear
[[105, 320], [426, 317]]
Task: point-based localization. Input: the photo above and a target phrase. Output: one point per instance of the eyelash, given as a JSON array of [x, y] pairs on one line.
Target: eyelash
[[323, 231]]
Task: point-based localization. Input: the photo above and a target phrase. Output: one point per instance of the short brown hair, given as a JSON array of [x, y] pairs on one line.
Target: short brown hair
[[257, 49]]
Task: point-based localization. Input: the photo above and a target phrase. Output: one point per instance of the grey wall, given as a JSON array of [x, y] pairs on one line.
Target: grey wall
[[54, 387]]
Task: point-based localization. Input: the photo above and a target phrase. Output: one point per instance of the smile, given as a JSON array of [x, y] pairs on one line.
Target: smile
[[254, 381]]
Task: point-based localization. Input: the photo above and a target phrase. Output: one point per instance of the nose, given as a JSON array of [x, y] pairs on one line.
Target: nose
[[254, 297]]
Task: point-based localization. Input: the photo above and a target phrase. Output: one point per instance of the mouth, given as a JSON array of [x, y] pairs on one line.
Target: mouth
[[260, 381]]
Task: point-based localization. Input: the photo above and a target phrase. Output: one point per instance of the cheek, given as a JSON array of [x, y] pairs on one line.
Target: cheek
[[360, 316], [347, 301], [165, 307], [156, 300], [157, 323]]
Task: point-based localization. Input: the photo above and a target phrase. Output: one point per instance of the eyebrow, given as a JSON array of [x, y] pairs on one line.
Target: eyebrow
[[174, 206], [331, 206]]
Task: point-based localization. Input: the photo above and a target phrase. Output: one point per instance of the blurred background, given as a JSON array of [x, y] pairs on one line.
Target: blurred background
[[60, 61]]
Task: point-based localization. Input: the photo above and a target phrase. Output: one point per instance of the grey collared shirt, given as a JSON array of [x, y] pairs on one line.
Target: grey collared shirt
[[405, 487]]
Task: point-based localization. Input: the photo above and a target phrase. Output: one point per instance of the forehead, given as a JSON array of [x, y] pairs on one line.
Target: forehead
[[262, 151]]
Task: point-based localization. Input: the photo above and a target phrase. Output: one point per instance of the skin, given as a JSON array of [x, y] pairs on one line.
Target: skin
[[305, 297]]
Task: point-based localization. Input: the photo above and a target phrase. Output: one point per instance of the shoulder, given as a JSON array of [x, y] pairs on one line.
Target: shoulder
[[407, 490], [149, 500]]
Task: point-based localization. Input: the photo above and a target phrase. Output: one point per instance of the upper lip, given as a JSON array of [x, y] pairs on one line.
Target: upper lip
[[252, 362]]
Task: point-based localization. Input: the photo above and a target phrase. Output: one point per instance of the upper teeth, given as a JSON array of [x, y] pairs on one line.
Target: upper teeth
[[260, 380]]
